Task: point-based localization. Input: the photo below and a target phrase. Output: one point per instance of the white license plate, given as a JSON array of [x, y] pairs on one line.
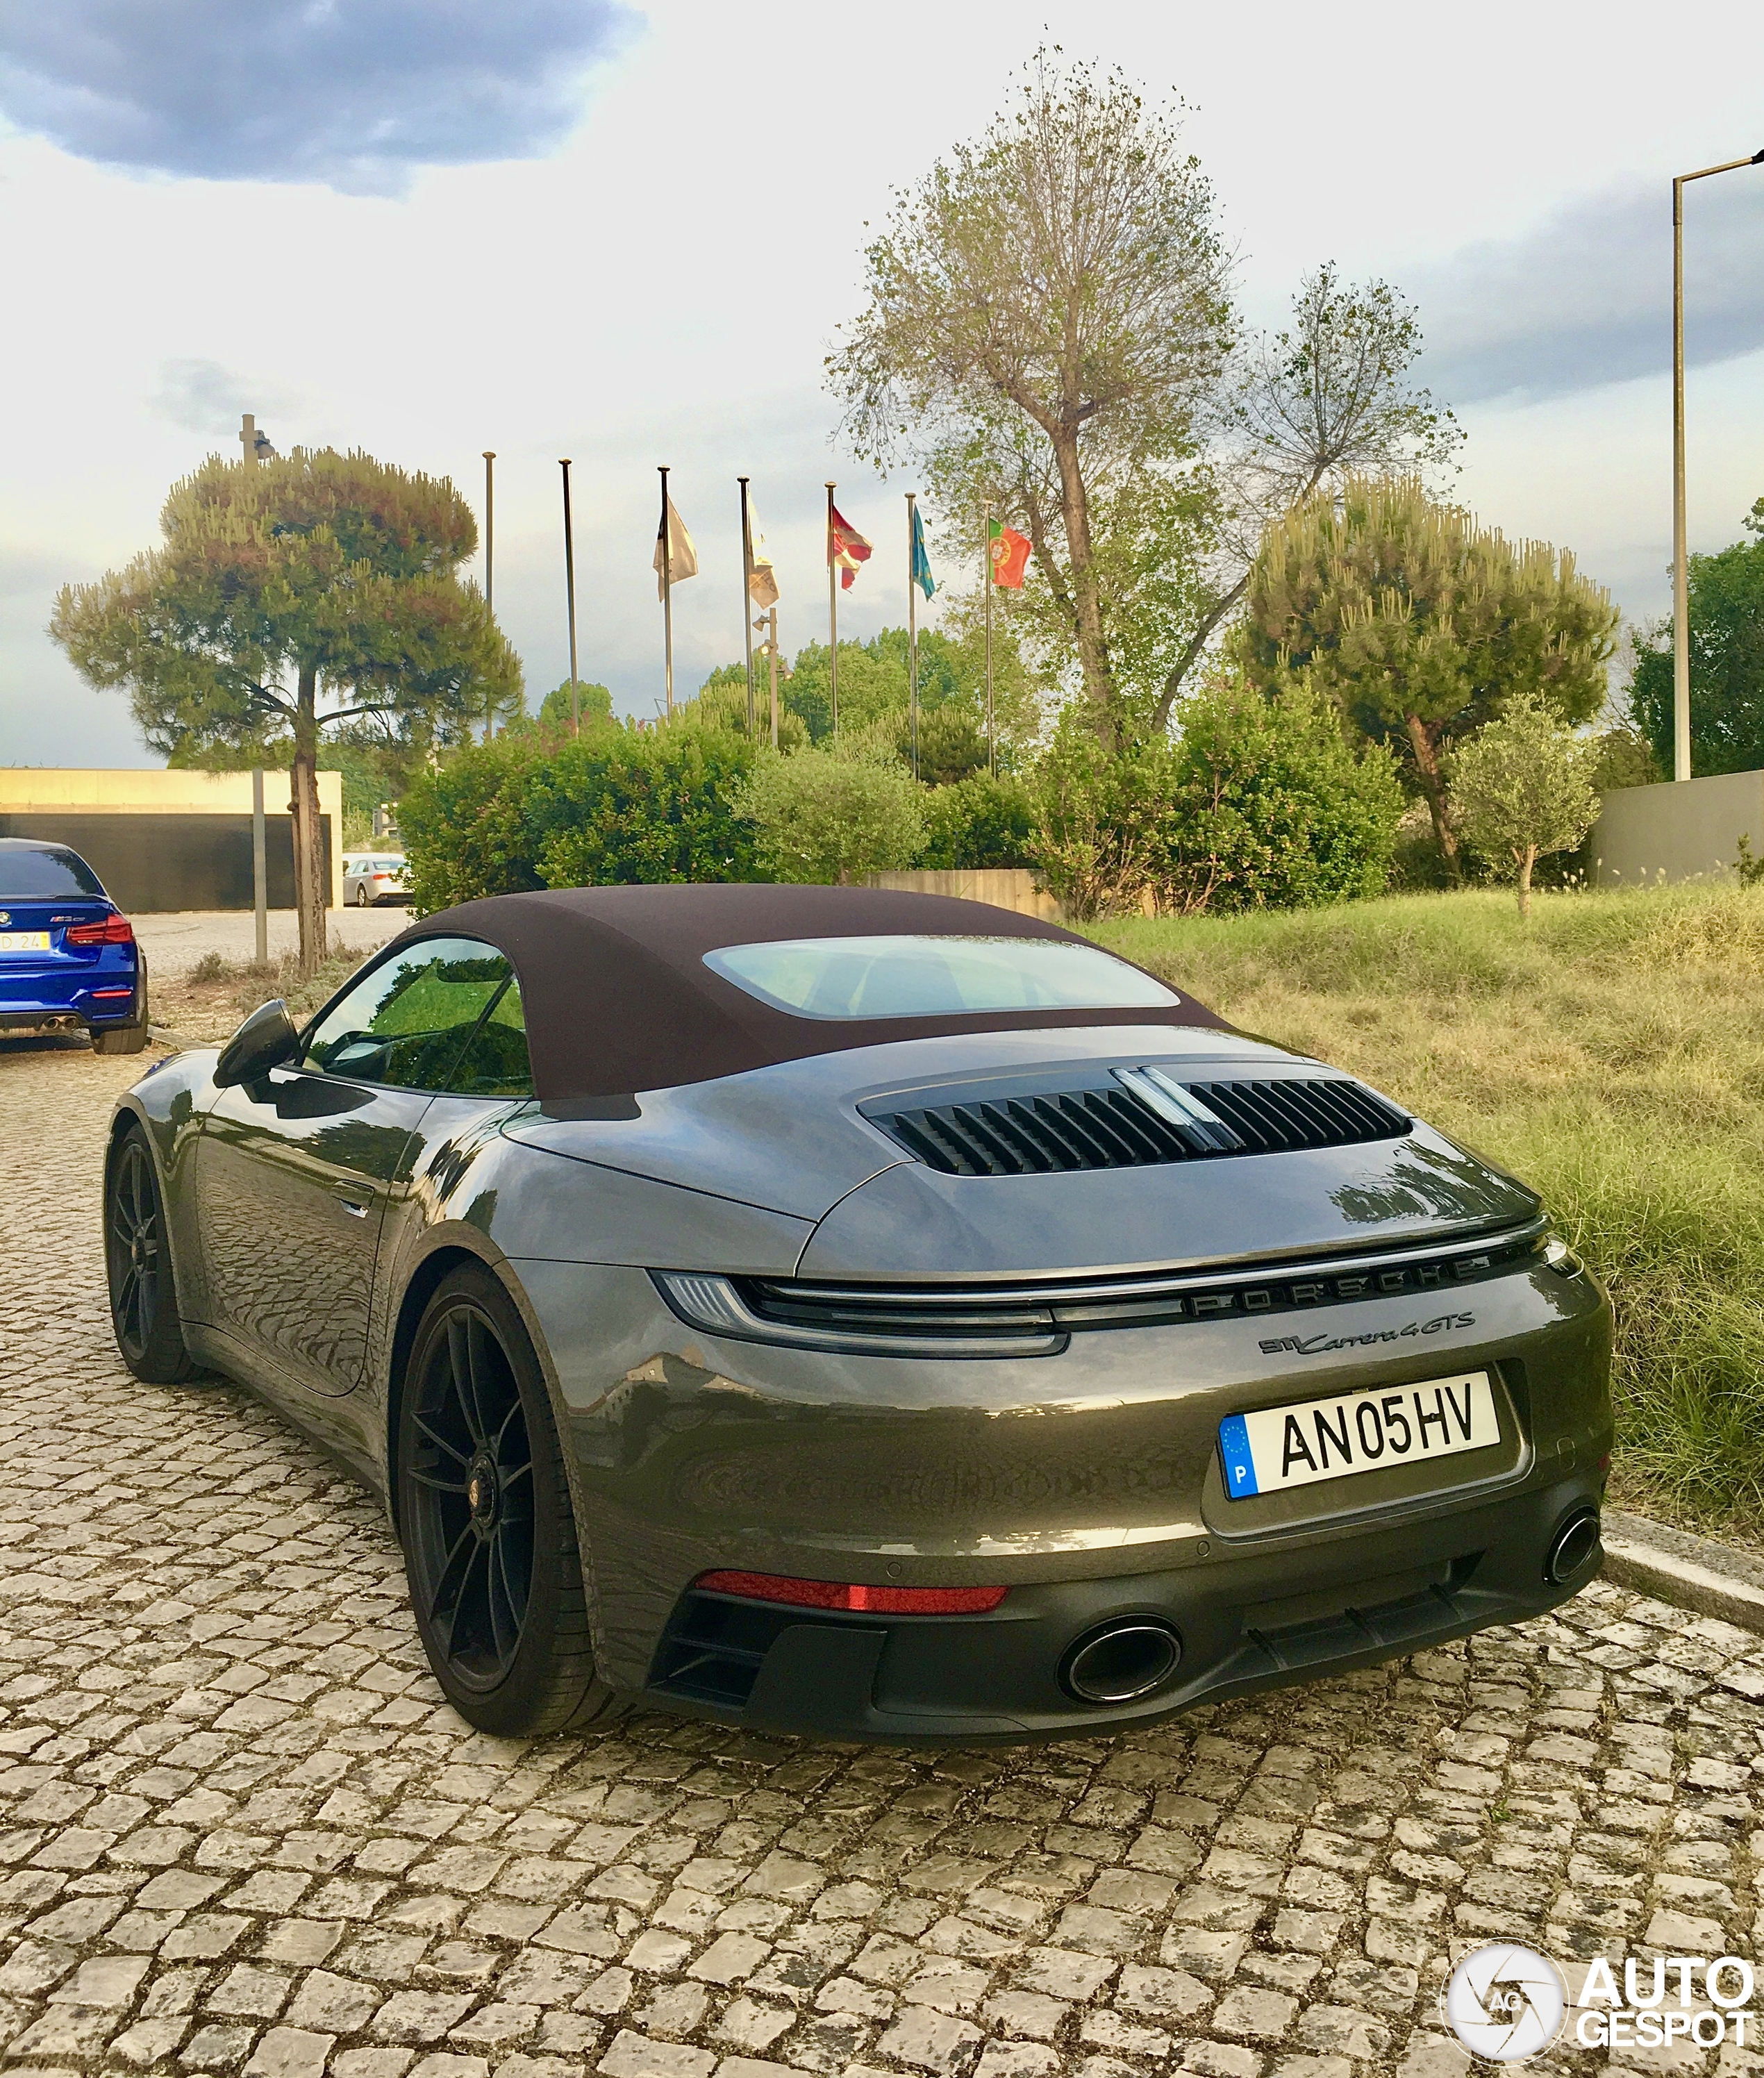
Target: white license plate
[[1358, 1432], [24, 941]]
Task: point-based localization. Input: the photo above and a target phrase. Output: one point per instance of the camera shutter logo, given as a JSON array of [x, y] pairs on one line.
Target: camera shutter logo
[[1505, 2002]]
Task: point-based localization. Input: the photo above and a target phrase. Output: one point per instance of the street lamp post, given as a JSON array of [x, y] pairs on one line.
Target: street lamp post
[[1681, 583], [489, 567]]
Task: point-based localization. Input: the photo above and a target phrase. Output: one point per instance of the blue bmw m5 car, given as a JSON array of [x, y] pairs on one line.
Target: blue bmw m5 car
[[68, 961]]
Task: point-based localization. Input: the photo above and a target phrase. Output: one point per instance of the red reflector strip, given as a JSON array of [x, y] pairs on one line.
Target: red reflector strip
[[851, 1595], [96, 994]]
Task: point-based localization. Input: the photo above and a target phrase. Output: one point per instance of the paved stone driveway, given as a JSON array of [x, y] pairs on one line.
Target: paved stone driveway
[[242, 1832]]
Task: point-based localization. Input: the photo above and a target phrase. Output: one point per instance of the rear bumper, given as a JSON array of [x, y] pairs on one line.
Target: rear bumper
[[1085, 1483], [105, 993], [996, 1678]]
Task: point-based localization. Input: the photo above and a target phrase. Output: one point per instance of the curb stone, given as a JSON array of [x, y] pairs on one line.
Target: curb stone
[[1690, 1572]]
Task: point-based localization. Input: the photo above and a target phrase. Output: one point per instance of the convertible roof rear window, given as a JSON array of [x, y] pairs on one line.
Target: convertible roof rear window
[[934, 976], [628, 989]]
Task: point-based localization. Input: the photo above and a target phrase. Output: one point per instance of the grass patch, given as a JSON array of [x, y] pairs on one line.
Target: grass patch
[[1611, 1053]]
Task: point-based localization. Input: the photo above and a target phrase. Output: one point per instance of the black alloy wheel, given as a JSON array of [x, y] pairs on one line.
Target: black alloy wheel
[[138, 1265], [484, 1513]]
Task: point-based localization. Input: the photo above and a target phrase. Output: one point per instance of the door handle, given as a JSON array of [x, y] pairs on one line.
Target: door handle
[[349, 1205]]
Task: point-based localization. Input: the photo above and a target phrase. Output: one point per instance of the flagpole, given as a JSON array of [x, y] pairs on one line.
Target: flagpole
[[667, 593], [569, 593], [986, 550], [489, 570], [912, 633], [833, 614], [771, 644], [747, 601]]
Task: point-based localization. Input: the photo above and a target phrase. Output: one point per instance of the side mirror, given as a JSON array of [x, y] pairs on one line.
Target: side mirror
[[266, 1039]]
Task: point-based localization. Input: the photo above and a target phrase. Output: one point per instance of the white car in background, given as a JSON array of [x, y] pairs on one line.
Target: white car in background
[[374, 876]]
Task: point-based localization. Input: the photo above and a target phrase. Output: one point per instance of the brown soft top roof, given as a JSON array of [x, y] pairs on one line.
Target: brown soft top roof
[[618, 998]]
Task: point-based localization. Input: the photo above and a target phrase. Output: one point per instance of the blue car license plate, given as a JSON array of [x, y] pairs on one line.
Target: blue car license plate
[[1356, 1431]]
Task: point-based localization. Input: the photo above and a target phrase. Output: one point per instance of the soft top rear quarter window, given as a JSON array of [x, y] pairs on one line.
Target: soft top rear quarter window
[[44, 871], [934, 977]]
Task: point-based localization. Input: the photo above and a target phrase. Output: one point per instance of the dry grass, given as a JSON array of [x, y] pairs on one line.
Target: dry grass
[[1612, 1053], [205, 1004]]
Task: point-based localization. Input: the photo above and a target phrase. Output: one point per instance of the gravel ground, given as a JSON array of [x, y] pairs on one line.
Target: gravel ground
[[242, 1832], [177, 939]]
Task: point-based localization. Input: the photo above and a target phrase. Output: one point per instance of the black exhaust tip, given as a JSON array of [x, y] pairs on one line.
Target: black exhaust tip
[[1119, 1661], [1575, 1547]]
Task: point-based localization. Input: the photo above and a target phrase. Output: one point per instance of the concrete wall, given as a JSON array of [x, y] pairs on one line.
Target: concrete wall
[[1005, 887], [170, 839], [1676, 830]]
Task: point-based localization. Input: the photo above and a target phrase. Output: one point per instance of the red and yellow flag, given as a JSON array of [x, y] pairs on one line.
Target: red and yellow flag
[[1010, 553], [846, 547]]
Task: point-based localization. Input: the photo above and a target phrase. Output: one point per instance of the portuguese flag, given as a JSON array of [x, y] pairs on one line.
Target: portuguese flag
[[1010, 552]]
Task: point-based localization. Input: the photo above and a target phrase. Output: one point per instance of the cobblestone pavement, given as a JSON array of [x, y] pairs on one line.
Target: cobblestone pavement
[[242, 1832]]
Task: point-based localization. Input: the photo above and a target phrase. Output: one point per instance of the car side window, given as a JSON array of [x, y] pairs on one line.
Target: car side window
[[406, 1023], [496, 1063]]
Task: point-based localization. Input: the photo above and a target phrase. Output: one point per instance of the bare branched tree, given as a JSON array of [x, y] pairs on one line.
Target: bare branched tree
[[1061, 277], [1329, 397]]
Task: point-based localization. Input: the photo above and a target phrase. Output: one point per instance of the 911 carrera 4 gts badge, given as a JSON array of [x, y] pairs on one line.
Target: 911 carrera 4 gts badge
[[1317, 1345]]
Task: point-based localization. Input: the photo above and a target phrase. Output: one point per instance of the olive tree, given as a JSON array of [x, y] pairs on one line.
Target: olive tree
[[290, 596], [1522, 787]]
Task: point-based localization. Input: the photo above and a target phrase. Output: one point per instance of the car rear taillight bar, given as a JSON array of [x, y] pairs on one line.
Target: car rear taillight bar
[[107, 931], [851, 1595]]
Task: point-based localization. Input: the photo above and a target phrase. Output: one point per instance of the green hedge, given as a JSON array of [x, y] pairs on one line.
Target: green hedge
[[618, 805]]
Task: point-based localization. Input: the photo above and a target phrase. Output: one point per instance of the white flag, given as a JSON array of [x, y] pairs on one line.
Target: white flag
[[682, 558], [762, 586]]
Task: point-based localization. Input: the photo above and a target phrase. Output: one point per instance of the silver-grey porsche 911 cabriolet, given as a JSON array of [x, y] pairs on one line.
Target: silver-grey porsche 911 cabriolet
[[865, 1314]]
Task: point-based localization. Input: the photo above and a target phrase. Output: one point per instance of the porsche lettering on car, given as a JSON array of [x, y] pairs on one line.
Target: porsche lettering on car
[[867, 1314]]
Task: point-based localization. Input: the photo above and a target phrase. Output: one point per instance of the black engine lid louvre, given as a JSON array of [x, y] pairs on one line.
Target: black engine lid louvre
[[1110, 1125]]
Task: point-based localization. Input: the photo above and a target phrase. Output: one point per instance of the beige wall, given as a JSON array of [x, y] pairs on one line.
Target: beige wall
[[1677, 829], [1005, 887], [108, 791]]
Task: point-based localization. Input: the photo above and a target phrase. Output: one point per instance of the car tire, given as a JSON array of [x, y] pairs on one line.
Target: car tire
[[360, 896], [131, 1039], [486, 1518], [138, 1266]]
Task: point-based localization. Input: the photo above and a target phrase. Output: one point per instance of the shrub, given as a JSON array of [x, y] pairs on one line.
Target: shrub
[[819, 817], [545, 810], [643, 807], [1101, 821], [1271, 807], [982, 821]]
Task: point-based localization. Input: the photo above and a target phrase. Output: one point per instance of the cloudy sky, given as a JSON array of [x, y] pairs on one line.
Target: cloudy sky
[[626, 234]]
